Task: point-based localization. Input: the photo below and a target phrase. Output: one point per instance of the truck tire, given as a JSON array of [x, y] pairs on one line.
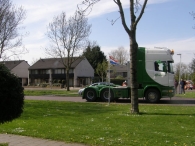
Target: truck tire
[[90, 95], [105, 94], [152, 95]]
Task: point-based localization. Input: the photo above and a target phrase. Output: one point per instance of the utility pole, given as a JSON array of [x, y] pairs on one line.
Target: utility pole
[[179, 74]]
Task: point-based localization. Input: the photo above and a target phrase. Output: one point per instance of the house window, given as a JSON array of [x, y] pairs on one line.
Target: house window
[[70, 70], [47, 71], [59, 71], [124, 74], [42, 71], [34, 71]]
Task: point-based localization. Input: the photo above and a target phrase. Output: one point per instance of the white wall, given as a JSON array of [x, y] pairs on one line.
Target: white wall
[[83, 69], [21, 70]]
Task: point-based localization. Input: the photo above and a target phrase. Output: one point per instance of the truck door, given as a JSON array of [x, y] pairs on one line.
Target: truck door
[[161, 75], [170, 73]]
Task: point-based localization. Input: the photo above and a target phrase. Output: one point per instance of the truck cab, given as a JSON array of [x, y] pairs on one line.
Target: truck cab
[[155, 78], [155, 73]]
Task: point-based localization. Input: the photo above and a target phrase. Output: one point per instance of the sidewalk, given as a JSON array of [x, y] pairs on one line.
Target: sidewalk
[[16, 140]]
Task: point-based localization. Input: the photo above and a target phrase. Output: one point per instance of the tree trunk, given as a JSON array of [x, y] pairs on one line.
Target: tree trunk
[[67, 70], [133, 72], [67, 79]]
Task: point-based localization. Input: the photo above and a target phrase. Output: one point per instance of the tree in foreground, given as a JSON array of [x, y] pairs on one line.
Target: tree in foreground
[[135, 17], [11, 96], [10, 39], [67, 37]]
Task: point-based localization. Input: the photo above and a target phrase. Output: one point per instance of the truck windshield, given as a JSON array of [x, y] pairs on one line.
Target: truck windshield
[[170, 67]]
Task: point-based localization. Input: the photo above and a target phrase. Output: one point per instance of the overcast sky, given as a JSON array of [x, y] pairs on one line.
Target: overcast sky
[[165, 23]]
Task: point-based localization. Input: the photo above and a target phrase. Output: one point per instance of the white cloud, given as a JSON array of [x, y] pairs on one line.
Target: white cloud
[[41, 12], [45, 9], [108, 6], [185, 47]]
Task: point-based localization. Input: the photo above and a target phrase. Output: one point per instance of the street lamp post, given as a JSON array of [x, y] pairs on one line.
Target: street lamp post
[[179, 73]]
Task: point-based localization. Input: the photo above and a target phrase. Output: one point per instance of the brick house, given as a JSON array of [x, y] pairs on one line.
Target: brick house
[[18, 68], [52, 69]]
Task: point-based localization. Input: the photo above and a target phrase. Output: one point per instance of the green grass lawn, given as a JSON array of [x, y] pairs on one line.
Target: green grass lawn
[[98, 124], [3, 144], [71, 93], [188, 94], [74, 93]]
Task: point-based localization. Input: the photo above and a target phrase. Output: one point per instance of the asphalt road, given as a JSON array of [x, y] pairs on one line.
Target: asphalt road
[[168, 101]]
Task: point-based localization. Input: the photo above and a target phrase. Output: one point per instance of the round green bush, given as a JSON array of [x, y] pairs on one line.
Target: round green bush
[[11, 96]]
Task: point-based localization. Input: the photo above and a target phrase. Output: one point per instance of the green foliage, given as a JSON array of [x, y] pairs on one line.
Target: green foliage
[[55, 81], [98, 124], [120, 77], [63, 82], [193, 64], [101, 69], [11, 96], [193, 77], [4, 144], [117, 81], [96, 79], [188, 94], [44, 84], [94, 55], [184, 71]]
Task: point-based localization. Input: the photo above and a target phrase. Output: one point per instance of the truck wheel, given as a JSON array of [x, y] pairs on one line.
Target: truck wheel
[[152, 95], [90, 95], [105, 95]]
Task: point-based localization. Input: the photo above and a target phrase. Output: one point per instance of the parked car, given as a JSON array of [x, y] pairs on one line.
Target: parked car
[[189, 85], [80, 92]]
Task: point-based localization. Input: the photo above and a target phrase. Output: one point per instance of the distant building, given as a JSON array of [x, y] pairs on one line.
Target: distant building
[[118, 70], [18, 68], [52, 69]]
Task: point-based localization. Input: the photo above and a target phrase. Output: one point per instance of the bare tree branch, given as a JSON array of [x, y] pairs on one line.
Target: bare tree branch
[[120, 54], [67, 37], [10, 39], [113, 21], [122, 16], [142, 12], [193, 15], [86, 5]]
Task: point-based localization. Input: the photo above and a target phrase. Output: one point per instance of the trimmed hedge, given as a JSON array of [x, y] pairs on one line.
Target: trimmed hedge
[[11, 96], [117, 81]]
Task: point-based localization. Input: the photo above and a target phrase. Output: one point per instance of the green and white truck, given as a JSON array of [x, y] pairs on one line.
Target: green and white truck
[[155, 77]]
